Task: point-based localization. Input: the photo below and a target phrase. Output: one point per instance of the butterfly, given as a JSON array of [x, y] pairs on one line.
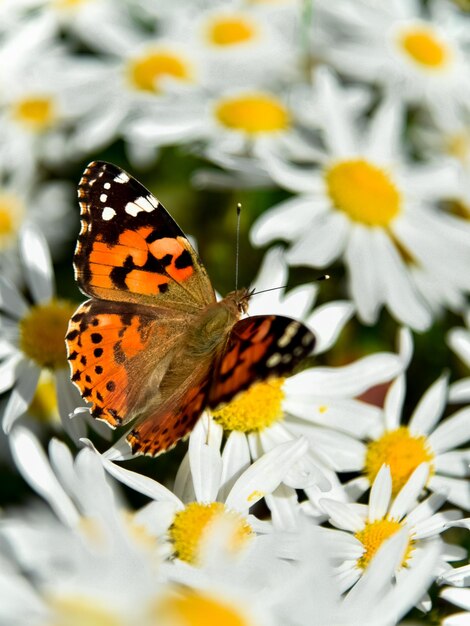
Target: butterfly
[[153, 346]]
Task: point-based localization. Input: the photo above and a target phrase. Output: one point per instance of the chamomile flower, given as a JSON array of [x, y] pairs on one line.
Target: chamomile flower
[[210, 485], [363, 202], [424, 439], [422, 56], [33, 338], [81, 496], [364, 527]]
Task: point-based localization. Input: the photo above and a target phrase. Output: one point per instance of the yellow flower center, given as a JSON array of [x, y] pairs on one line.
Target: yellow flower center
[[146, 72], [44, 403], [425, 48], [255, 409], [402, 451], [77, 611], [253, 113], [229, 31], [365, 192], [373, 535], [42, 333], [190, 525], [11, 215], [35, 112], [458, 145], [193, 608]]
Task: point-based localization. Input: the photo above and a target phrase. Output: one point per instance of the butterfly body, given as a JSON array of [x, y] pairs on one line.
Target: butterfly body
[[153, 346]]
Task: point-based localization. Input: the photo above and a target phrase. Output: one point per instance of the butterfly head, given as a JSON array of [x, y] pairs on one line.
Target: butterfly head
[[239, 300]]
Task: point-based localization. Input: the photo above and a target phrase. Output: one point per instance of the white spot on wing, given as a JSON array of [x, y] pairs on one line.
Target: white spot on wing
[[108, 213], [107, 185], [274, 360], [144, 204], [290, 331], [132, 209], [121, 178], [153, 201], [103, 197]]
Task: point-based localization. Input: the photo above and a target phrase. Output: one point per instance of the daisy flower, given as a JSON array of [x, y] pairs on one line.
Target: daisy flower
[[302, 591], [424, 439], [421, 55], [366, 204], [44, 91], [210, 485], [32, 339], [364, 527], [459, 341]]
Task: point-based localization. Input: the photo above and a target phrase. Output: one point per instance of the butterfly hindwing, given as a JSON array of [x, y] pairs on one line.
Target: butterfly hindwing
[[259, 347], [113, 349], [130, 249]]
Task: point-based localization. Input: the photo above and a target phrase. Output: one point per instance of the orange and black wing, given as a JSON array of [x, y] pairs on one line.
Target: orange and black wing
[[130, 249]]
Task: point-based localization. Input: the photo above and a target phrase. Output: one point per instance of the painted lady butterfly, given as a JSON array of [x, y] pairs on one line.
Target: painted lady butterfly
[[153, 345]]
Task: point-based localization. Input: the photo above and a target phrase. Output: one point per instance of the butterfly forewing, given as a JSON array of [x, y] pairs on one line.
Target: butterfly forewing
[[130, 249]]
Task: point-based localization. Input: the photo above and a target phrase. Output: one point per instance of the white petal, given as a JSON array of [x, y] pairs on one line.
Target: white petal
[[22, 394], [364, 282], [284, 506], [322, 243], [8, 369], [385, 131], [348, 380], [430, 408], [342, 515], [11, 300], [426, 509], [273, 270], [265, 474], [460, 597], [380, 494], [337, 122], [394, 403], [452, 432], [458, 490], [286, 220], [183, 487], [410, 492], [460, 391], [235, 460], [68, 399], [403, 300], [36, 470], [37, 259], [327, 321], [459, 340], [143, 484], [455, 463], [206, 464]]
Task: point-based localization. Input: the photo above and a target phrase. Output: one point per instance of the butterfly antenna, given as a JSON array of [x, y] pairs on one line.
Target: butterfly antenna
[[237, 252], [253, 292]]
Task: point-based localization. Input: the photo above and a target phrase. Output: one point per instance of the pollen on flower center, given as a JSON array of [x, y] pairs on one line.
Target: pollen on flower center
[[365, 192], [35, 112], [190, 525], [193, 608], [77, 611], [424, 47], [42, 333], [373, 535], [255, 409], [44, 405], [228, 31], [146, 72], [402, 451], [253, 113]]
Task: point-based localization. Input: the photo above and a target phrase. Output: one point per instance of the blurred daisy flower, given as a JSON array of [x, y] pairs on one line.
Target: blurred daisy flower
[[364, 527], [264, 589], [420, 54], [44, 92], [365, 203], [425, 439], [210, 485], [32, 341]]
